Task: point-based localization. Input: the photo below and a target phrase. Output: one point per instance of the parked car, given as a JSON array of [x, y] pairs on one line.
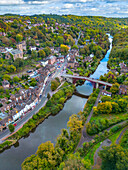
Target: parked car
[[29, 71], [15, 124]]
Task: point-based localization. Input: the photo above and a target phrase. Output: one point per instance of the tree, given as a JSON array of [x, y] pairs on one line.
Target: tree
[[64, 49], [33, 54], [122, 105], [41, 54], [46, 152], [11, 128], [75, 162], [75, 47], [74, 123], [48, 96], [19, 38], [115, 107], [60, 40], [33, 82], [114, 158], [47, 51], [62, 100], [104, 108], [16, 79], [115, 88], [18, 62], [11, 68], [7, 77], [105, 98]]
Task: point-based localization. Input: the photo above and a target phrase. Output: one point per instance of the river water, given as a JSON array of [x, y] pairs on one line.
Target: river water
[[48, 130]]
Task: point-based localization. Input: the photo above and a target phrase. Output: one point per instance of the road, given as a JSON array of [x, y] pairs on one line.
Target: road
[[106, 142], [26, 117], [76, 42], [121, 134]]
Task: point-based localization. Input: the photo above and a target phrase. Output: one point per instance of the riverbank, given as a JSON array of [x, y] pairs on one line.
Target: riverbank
[[75, 125], [52, 107]]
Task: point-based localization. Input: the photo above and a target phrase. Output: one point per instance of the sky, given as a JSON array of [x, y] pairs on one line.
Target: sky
[[107, 8]]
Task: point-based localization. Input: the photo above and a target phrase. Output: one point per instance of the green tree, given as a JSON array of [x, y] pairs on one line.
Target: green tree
[[34, 54], [19, 38], [16, 79], [104, 108], [105, 98], [114, 158], [47, 51], [11, 128], [64, 49], [11, 68], [48, 96], [41, 54], [18, 62], [7, 77], [115, 88], [122, 105], [75, 162]]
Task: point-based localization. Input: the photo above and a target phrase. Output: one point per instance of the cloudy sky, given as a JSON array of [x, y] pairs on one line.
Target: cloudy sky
[[109, 8]]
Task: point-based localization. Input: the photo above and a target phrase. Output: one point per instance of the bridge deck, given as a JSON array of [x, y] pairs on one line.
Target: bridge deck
[[87, 78]]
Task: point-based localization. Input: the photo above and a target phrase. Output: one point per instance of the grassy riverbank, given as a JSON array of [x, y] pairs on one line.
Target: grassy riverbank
[[66, 141]]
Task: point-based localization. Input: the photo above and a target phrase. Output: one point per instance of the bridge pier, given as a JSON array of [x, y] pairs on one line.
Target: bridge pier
[[105, 87], [70, 80], [97, 85]]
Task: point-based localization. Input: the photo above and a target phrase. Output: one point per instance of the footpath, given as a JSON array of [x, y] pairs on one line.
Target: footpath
[[85, 137]]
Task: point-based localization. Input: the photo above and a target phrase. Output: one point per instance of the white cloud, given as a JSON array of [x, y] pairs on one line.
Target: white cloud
[[11, 2], [38, 2], [68, 6]]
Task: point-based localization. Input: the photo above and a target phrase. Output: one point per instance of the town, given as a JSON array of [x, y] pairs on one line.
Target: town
[[48, 60]]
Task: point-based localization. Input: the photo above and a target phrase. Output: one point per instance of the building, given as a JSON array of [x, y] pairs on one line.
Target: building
[[44, 62], [17, 54], [123, 89], [5, 84], [106, 93], [71, 64], [19, 47], [51, 60], [32, 48], [60, 58]]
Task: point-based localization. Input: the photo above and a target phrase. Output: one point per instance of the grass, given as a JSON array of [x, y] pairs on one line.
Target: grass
[[114, 137], [91, 153], [69, 72], [108, 116]]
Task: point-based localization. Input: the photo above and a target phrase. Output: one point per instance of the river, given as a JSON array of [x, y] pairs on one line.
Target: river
[[48, 130]]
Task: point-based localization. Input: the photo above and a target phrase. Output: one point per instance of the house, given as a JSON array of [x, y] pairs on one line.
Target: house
[[52, 49], [17, 54], [44, 62], [51, 60], [2, 34], [24, 45], [124, 69], [71, 64], [106, 93], [7, 56], [60, 58], [52, 68], [32, 48], [123, 89], [5, 84], [4, 122]]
